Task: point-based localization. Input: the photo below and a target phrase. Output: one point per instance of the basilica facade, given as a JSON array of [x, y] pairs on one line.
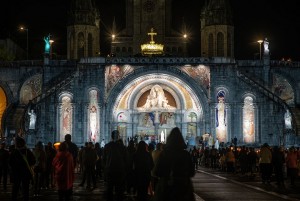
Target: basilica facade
[[144, 97]]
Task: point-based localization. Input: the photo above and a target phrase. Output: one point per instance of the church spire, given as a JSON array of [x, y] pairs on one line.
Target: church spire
[[217, 12], [83, 12]]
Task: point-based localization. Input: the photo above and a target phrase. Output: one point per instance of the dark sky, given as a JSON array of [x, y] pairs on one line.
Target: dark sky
[[253, 20]]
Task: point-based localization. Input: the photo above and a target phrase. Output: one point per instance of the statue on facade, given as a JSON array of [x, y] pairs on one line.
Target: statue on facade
[[157, 99], [32, 119], [47, 44], [266, 46]]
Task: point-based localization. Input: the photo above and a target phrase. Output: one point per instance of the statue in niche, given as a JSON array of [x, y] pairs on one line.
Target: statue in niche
[[32, 119], [157, 99]]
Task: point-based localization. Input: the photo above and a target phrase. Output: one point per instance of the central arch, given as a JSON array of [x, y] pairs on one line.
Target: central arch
[[188, 110]]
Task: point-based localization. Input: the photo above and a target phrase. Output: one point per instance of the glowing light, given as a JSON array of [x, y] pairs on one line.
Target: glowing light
[[152, 48]]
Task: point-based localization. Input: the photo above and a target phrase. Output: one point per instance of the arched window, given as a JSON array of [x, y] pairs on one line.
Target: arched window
[[80, 45], [221, 117], [66, 116], [123, 49], [220, 44], [192, 125], [90, 45], [248, 120], [93, 117], [210, 45]]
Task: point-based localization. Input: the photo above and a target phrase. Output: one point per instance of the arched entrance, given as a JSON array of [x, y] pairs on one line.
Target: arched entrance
[[150, 105], [3, 103]]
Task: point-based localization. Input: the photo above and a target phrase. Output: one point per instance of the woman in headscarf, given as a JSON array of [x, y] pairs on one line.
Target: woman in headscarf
[[174, 169]]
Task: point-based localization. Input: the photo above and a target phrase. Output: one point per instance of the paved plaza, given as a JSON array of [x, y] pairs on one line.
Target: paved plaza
[[208, 185]]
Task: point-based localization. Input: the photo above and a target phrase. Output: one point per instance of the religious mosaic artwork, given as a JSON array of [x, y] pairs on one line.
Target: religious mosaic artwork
[[66, 119], [200, 73], [167, 119], [248, 120], [31, 88], [147, 119], [114, 73], [283, 89], [192, 129], [93, 111], [221, 118]]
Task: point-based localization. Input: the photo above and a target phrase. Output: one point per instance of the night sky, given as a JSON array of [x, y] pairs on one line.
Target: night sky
[[253, 20]]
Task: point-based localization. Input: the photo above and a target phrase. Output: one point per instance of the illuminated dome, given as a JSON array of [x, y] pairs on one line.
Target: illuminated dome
[[151, 47]]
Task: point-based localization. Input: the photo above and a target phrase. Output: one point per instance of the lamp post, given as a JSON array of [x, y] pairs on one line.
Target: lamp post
[[51, 41], [113, 37], [25, 29], [260, 42]]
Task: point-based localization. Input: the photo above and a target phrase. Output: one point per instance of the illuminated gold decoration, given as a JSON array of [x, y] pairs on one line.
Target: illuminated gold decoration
[[151, 47]]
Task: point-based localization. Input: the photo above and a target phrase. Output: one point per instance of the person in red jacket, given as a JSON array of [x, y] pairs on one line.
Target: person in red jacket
[[64, 172]]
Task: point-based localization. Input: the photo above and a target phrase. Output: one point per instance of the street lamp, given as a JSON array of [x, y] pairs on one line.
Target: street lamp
[[260, 42], [25, 29]]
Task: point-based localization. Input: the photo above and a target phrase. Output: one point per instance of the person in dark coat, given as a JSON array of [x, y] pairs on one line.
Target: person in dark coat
[[278, 161], [114, 159], [21, 161], [174, 169], [4, 156], [143, 164]]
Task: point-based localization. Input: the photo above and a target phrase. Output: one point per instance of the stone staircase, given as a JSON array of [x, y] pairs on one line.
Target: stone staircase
[[295, 112], [55, 84], [16, 118]]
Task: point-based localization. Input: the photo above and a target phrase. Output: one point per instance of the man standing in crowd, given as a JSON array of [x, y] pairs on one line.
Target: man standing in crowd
[[114, 159], [4, 155], [72, 148]]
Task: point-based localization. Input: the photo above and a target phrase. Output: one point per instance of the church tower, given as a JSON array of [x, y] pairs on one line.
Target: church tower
[[217, 30], [141, 17], [83, 30]]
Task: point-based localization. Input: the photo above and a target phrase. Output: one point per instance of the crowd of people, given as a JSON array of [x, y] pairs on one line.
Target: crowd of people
[[276, 162], [159, 172]]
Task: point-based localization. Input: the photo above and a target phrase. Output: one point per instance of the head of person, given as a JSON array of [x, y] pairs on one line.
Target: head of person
[[68, 137], [159, 146], [175, 140], [49, 144], [142, 147], [20, 142], [97, 145], [90, 145], [2, 145], [63, 147], [39, 145], [115, 135]]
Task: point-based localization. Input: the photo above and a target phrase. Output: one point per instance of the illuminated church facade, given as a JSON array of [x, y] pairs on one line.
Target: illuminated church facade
[[256, 101]]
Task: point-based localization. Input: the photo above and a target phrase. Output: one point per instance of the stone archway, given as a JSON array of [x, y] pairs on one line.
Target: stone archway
[[3, 104], [143, 118]]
